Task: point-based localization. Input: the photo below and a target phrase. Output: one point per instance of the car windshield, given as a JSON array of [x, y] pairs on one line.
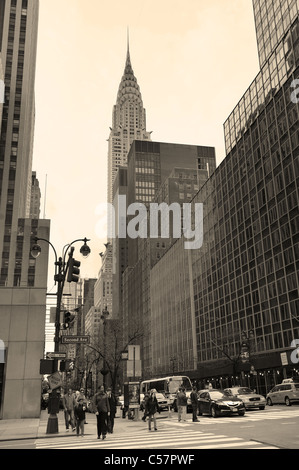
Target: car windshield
[[218, 395], [244, 391]]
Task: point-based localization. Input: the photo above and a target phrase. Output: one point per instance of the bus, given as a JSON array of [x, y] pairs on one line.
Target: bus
[[168, 386]]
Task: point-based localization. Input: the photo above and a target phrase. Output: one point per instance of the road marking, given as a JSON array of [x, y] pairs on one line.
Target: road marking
[[143, 439]]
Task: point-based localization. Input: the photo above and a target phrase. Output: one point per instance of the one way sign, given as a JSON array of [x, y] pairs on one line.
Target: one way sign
[[53, 355]]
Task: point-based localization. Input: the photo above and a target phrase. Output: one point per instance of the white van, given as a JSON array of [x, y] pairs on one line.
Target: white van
[[286, 392]]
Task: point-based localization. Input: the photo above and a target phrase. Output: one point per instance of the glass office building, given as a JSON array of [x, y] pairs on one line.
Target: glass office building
[[245, 276]]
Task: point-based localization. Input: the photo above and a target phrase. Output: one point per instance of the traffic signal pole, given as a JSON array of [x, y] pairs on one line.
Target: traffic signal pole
[[54, 399], [61, 269]]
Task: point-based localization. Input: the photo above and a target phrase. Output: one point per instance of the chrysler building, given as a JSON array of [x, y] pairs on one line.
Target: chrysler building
[[128, 123]]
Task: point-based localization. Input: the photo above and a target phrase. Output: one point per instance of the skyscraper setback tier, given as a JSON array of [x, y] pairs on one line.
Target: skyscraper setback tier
[[128, 123]]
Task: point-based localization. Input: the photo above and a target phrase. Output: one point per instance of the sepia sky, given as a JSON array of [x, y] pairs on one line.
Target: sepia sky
[[193, 60]]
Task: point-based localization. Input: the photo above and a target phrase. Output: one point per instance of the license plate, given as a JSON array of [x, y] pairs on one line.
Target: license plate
[[234, 409]]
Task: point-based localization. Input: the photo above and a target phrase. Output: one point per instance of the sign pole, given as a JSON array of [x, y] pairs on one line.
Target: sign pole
[[53, 409]]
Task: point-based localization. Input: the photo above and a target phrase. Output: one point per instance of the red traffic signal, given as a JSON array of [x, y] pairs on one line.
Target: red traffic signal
[[73, 274]]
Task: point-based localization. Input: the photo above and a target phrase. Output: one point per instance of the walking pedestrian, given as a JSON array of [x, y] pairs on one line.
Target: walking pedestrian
[[102, 408], [81, 395], [80, 415], [194, 403], [182, 404], [151, 408], [68, 402], [146, 397], [112, 404]]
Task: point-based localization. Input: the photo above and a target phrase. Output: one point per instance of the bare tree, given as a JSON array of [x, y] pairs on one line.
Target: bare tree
[[110, 346]]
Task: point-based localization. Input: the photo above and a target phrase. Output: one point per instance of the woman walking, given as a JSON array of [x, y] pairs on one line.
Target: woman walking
[[151, 408]]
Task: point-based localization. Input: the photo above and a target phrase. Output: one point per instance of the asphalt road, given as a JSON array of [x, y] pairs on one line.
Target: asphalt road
[[275, 426]]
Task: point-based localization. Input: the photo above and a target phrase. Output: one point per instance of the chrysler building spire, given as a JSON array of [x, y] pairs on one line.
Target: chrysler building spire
[[128, 122]]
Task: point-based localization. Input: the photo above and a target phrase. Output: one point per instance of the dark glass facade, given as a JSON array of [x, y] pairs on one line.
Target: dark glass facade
[[245, 276]]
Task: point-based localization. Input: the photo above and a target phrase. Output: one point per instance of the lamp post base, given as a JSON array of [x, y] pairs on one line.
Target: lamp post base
[[52, 427]]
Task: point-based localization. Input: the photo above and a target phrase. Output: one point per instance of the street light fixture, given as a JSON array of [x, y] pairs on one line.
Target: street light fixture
[[85, 250], [61, 269]]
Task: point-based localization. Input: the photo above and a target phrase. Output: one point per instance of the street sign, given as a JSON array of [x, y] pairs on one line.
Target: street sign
[[134, 352], [53, 355], [55, 380], [134, 369], [284, 359], [69, 339]]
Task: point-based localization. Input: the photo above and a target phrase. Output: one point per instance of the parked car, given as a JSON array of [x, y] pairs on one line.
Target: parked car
[[217, 403], [286, 392], [249, 397]]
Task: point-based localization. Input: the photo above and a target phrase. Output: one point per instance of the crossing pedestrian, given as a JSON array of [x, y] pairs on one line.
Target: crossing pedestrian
[[112, 404], [80, 409], [194, 403], [101, 408], [182, 404], [81, 395], [143, 406], [152, 407], [68, 402]]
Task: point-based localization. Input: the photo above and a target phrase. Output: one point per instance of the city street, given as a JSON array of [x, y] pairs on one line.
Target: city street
[[273, 428]]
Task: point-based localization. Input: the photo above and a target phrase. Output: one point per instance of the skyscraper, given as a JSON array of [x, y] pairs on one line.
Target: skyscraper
[[244, 278], [128, 123], [18, 43], [35, 198], [23, 279]]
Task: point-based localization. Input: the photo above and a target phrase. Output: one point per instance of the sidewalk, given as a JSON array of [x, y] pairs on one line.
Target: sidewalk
[[20, 429]]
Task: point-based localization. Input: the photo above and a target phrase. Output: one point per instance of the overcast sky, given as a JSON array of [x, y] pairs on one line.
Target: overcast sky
[[193, 60]]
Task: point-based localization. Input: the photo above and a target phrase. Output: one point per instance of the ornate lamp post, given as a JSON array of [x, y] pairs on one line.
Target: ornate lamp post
[[62, 268], [104, 371]]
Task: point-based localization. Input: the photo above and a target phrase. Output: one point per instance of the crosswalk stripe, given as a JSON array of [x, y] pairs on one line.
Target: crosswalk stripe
[[124, 440], [231, 446], [167, 439], [248, 417]]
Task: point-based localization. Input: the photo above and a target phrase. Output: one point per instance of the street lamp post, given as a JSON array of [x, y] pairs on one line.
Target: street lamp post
[[104, 371], [61, 270]]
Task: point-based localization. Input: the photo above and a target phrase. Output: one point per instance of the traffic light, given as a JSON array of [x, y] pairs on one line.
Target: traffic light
[[68, 319], [73, 274]]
